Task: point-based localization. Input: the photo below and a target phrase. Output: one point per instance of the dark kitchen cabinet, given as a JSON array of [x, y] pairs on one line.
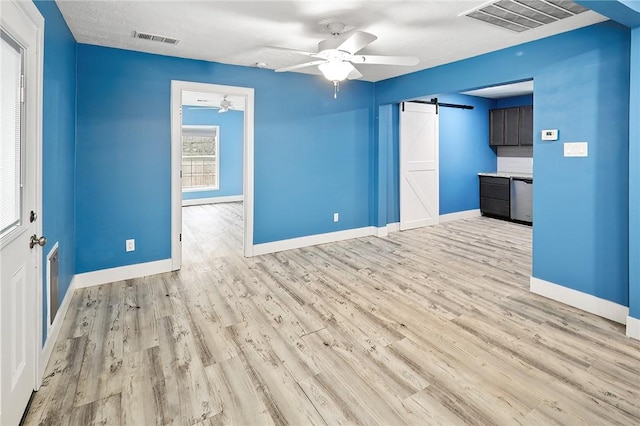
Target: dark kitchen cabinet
[[494, 196], [525, 133], [496, 127], [511, 126]]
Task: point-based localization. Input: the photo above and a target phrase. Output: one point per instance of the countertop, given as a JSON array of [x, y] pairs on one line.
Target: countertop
[[507, 175]]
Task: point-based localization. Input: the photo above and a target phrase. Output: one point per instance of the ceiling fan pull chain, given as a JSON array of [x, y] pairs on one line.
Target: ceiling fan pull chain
[[336, 89]]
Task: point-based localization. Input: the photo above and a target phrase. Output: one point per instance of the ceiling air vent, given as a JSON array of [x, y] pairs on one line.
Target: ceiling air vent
[[155, 37], [522, 15]]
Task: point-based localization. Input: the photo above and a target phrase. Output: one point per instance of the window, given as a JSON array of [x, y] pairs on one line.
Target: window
[[11, 135], [200, 157]]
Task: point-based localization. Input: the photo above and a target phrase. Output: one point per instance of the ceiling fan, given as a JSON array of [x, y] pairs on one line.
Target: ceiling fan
[[225, 105], [336, 56]]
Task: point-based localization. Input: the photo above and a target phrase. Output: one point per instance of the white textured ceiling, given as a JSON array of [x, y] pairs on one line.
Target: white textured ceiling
[[242, 32]]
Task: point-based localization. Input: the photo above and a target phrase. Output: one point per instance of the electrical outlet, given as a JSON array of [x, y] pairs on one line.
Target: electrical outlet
[[336, 217], [130, 245]]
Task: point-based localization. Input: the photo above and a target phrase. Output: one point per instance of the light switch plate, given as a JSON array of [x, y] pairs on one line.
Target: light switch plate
[[549, 135], [576, 149]]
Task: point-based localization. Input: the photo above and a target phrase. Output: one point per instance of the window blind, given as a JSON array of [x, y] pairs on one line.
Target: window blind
[[10, 143]]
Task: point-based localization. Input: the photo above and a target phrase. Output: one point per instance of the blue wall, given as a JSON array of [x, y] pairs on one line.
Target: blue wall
[[231, 147], [315, 155], [580, 204], [634, 177], [514, 101], [387, 176], [312, 153], [464, 152], [58, 147]]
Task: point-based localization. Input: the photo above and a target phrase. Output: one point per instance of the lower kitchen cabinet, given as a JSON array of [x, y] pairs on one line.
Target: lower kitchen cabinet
[[494, 196]]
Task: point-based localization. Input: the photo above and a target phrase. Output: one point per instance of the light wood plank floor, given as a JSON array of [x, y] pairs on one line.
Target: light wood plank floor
[[429, 326]]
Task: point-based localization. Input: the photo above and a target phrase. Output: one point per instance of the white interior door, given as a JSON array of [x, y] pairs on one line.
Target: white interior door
[[20, 303], [419, 197]]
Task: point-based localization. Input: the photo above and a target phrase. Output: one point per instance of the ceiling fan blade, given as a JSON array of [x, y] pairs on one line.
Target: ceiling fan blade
[[354, 74], [287, 50], [356, 41], [306, 64], [385, 60]]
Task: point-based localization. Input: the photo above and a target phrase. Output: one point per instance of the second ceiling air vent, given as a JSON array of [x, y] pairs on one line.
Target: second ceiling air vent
[[522, 15], [155, 37]]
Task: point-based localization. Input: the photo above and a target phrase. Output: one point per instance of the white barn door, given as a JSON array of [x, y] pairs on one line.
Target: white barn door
[[419, 196]]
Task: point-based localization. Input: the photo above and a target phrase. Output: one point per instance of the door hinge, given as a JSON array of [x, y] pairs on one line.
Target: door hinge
[[22, 88], [180, 237], [180, 174]]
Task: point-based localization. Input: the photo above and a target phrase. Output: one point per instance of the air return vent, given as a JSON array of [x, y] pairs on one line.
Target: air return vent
[[522, 15], [155, 37], [52, 283]]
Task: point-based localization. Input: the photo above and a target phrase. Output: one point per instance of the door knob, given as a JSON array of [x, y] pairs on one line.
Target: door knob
[[35, 240]]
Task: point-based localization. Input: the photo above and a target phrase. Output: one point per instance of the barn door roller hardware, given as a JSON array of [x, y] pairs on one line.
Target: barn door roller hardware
[[434, 101]]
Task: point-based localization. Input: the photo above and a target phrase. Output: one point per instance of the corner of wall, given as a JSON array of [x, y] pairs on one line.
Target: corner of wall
[[633, 327], [54, 330], [586, 302]]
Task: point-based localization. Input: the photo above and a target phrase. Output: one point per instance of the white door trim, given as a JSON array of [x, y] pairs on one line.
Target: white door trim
[[176, 160]]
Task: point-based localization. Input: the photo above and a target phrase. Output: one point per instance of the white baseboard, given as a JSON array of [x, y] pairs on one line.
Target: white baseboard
[[633, 327], [587, 302], [128, 272], [467, 214], [54, 330], [383, 231], [312, 240], [393, 227], [212, 200]]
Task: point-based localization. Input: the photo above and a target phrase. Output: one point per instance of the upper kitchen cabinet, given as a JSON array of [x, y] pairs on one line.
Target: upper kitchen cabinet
[[525, 133], [496, 127], [511, 126]]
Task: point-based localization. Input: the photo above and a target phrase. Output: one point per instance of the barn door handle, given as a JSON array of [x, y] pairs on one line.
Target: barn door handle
[[37, 241]]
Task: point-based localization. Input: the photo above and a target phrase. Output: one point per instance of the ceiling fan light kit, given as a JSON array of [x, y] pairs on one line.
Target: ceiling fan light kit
[[336, 71], [335, 56]]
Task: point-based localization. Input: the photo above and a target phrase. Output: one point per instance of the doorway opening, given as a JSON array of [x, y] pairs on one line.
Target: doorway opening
[[212, 163]]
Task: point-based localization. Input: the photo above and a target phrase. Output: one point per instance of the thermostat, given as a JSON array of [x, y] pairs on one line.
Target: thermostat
[[550, 135]]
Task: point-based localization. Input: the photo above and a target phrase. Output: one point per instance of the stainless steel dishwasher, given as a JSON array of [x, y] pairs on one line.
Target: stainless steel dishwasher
[[522, 199]]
